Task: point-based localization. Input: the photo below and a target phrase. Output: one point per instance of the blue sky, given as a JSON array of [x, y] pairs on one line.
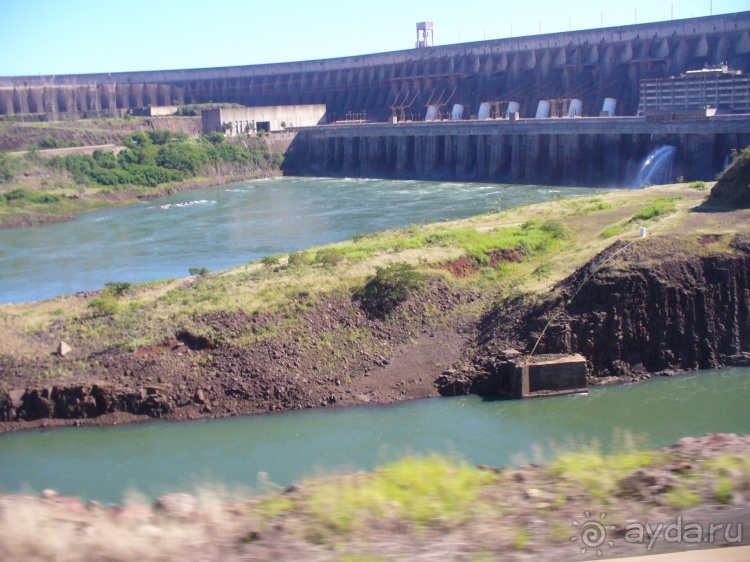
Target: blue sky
[[79, 36]]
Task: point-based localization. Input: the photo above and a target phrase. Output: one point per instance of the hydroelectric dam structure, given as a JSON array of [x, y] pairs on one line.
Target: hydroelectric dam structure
[[595, 67]]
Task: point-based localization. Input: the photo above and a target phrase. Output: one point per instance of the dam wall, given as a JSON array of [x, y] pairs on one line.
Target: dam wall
[[589, 65], [585, 151]]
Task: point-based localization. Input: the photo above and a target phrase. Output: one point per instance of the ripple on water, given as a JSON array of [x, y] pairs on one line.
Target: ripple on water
[[314, 212]]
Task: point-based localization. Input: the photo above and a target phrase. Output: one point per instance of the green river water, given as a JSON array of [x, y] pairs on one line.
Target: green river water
[[159, 457]]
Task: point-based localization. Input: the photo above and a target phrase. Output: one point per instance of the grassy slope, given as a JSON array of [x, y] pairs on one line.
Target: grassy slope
[[149, 311]]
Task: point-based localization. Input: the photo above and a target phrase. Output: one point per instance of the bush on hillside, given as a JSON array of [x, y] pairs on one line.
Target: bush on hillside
[[23, 196], [389, 287]]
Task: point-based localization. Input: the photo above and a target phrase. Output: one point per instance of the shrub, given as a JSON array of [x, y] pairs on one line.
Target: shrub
[[117, 288], [105, 304], [298, 259], [270, 261], [389, 287], [23, 196], [214, 137], [199, 271], [543, 271], [52, 142], [7, 167], [328, 257], [556, 229], [699, 185], [156, 157], [181, 157], [163, 137]]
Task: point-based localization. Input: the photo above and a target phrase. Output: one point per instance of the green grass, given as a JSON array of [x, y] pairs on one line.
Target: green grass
[[614, 230], [724, 488], [731, 473], [292, 285], [659, 208], [533, 237], [423, 490], [276, 505], [682, 496], [599, 474]]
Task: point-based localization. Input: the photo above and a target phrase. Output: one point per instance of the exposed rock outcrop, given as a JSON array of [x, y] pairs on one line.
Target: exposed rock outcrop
[[656, 310], [80, 401]]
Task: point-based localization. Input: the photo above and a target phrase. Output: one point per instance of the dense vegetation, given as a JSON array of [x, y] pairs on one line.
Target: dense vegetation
[[156, 157]]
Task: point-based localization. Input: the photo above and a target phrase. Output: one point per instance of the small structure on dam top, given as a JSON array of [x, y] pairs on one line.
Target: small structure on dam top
[[239, 120], [548, 375]]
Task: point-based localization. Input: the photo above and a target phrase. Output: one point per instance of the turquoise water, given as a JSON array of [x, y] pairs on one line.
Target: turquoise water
[[229, 225], [159, 457]]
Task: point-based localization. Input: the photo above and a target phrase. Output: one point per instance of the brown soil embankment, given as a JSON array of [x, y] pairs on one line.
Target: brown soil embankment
[[336, 354], [22, 136]]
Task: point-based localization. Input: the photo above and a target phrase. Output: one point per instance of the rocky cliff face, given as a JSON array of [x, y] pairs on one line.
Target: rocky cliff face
[[655, 313], [665, 305]]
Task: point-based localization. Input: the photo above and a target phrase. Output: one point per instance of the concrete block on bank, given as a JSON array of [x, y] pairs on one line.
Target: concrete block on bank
[[550, 375]]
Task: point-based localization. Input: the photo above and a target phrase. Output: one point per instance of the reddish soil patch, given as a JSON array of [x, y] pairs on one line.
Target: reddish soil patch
[[465, 266], [460, 268]]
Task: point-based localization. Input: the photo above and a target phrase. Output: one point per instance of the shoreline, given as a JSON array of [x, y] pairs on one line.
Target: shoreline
[[125, 198], [124, 418]]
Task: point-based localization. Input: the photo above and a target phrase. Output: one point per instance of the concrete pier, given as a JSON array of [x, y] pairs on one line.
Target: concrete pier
[[549, 376]]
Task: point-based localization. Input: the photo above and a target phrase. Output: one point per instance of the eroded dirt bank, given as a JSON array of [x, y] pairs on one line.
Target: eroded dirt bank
[[335, 354], [659, 306]]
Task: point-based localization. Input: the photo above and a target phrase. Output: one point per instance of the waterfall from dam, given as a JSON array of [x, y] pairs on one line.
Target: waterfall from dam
[[657, 167]]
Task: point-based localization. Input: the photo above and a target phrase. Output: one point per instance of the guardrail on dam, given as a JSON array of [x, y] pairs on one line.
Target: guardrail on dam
[[589, 65], [580, 151]]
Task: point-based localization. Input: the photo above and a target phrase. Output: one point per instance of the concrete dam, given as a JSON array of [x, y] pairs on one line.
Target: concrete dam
[[595, 69], [589, 65]]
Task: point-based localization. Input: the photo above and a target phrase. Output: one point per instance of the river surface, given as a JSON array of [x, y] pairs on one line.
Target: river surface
[[229, 225], [160, 457]]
